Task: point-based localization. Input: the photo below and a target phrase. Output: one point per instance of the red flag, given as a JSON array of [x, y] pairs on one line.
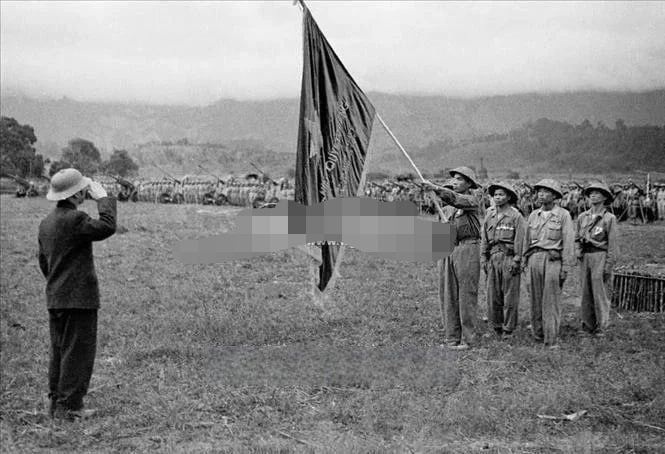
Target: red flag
[[334, 131]]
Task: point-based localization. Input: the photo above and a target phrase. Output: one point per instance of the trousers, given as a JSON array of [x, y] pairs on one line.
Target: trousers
[[595, 307], [458, 292], [545, 292], [503, 292], [73, 347], [661, 209]]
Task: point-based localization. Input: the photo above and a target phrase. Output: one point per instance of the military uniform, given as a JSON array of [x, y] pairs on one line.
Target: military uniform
[[595, 242], [502, 235], [548, 248], [460, 271]]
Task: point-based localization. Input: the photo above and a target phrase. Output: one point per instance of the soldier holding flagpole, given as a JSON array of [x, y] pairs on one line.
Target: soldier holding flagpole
[[460, 271]]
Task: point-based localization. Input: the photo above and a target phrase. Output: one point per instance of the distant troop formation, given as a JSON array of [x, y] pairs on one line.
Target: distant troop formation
[[249, 191], [630, 202]]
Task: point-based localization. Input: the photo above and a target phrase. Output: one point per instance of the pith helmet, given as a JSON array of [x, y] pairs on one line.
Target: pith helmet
[[550, 184], [466, 173], [506, 187], [602, 187], [65, 183]]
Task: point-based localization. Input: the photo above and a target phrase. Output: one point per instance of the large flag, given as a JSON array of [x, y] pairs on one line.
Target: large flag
[[333, 135]]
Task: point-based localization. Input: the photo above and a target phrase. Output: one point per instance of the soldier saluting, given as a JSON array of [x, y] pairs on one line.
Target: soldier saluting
[[595, 242], [549, 253], [501, 239]]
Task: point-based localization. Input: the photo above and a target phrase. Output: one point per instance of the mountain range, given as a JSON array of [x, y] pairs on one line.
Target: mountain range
[[417, 121]]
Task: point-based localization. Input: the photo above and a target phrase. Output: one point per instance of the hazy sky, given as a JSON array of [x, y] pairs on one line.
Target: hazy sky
[[195, 53]]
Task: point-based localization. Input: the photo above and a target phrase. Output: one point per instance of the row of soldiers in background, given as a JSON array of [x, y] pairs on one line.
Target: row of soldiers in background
[[630, 202], [249, 191], [29, 188]]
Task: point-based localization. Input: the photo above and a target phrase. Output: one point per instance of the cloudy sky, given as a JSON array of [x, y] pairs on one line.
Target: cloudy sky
[[195, 53]]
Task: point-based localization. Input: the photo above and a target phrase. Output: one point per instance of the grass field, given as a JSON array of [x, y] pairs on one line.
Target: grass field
[[235, 357]]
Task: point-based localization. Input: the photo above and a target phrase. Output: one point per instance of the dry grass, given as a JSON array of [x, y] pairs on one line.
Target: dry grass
[[234, 357]]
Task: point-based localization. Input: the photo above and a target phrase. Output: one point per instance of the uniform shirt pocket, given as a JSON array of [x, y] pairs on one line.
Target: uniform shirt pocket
[[554, 227], [553, 233], [533, 232], [506, 232]]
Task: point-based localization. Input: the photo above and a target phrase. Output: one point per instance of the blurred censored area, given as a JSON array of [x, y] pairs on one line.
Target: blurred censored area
[[389, 229]]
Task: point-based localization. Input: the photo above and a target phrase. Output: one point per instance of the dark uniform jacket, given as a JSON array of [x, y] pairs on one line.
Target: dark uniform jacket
[[65, 253], [467, 217]]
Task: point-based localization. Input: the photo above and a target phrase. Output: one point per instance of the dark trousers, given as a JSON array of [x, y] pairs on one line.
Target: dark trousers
[[73, 346]]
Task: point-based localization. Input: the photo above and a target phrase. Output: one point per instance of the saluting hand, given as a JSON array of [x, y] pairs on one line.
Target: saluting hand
[[96, 190]]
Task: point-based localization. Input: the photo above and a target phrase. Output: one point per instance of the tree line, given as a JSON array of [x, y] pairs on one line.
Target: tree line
[[19, 157], [561, 145], [590, 148], [545, 142]]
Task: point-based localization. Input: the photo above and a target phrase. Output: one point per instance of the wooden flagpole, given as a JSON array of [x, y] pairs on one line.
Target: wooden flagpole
[[442, 215], [399, 145]]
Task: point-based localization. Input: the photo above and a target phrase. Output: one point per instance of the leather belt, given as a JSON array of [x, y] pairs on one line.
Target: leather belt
[[587, 249], [501, 247]]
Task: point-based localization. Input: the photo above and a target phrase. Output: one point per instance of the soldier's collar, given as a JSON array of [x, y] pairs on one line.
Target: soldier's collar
[[602, 211], [542, 212], [65, 204]]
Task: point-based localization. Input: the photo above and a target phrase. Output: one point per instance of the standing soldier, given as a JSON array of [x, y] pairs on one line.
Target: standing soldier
[[501, 240], [660, 201], [596, 244], [460, 271], [549, 254], [633, 193], [72, 292]]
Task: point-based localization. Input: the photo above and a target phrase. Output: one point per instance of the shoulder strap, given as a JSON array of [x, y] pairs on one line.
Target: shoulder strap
[[594, 223]]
